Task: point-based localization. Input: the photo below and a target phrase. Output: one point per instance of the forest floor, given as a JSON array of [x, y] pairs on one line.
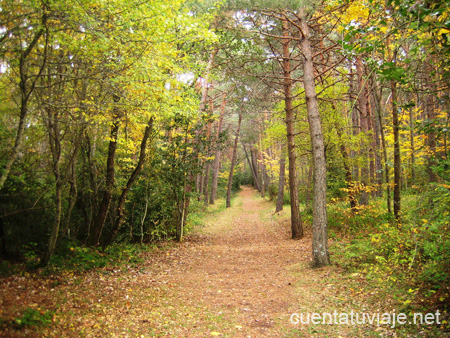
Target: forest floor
[[239, 275]]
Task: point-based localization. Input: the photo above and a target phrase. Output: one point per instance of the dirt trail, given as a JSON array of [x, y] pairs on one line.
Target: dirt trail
[[240, 270], [240, 275]]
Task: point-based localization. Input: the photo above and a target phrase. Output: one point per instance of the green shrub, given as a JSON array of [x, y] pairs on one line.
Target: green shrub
[[33, 317]]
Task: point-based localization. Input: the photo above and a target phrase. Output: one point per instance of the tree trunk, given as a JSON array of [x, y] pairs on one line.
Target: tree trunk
[[364, 124], [348, 172], [233, 161], [99, 221], [320, 235], [355, 120], [184, 206], [252, 169], [384, 150], [397, 164], [55, 147], [281, 180], [73, 193], [377, 144], [205, 185], [296, 221], [25, 94], [412, 145], [253, 154], [218, 153], [120, 210]]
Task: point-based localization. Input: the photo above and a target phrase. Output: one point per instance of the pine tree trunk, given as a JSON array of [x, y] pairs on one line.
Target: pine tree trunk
[[280, 194], [320, 232], [233, 162], [218, 153], [296, 221]]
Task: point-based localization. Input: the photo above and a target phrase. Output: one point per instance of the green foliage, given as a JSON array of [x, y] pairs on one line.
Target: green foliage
[[415, 251], [73, 257], [32, 317]]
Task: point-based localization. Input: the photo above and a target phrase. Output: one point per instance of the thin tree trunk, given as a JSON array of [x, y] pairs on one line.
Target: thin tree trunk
[[205, 188], [296, 221], [99, 221], [252, 169], [184, 206], [364, 124], [206, 183], [255, 168], [377, 145], [233, 162], [320, 232], [412, 145], [72, 195], [397, 164], [144, 216], [120, 210], [348, 171], [216, 165], [384, 152], [355, 121], [55, 147], [25, 93], [308, 185], [281, 181]]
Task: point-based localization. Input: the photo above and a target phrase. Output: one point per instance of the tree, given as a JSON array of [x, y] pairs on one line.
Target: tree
[[25, 27], [320, 234], [233, 160]]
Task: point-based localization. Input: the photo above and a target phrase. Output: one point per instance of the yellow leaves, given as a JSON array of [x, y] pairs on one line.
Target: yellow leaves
[[376, 238], [357, 11], [215, 333]]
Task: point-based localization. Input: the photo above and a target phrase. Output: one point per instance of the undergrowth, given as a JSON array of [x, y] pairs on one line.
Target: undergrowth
[[30, 317], [409, 260]]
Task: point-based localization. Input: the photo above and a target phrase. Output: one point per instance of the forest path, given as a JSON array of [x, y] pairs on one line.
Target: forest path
[[239, 275], [238, 271]]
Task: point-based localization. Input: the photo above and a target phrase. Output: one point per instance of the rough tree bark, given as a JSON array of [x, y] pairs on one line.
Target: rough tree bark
[[296, 221], [320, 235]]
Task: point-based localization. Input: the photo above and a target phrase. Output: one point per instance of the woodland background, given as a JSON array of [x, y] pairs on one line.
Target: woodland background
[[120, 121]]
